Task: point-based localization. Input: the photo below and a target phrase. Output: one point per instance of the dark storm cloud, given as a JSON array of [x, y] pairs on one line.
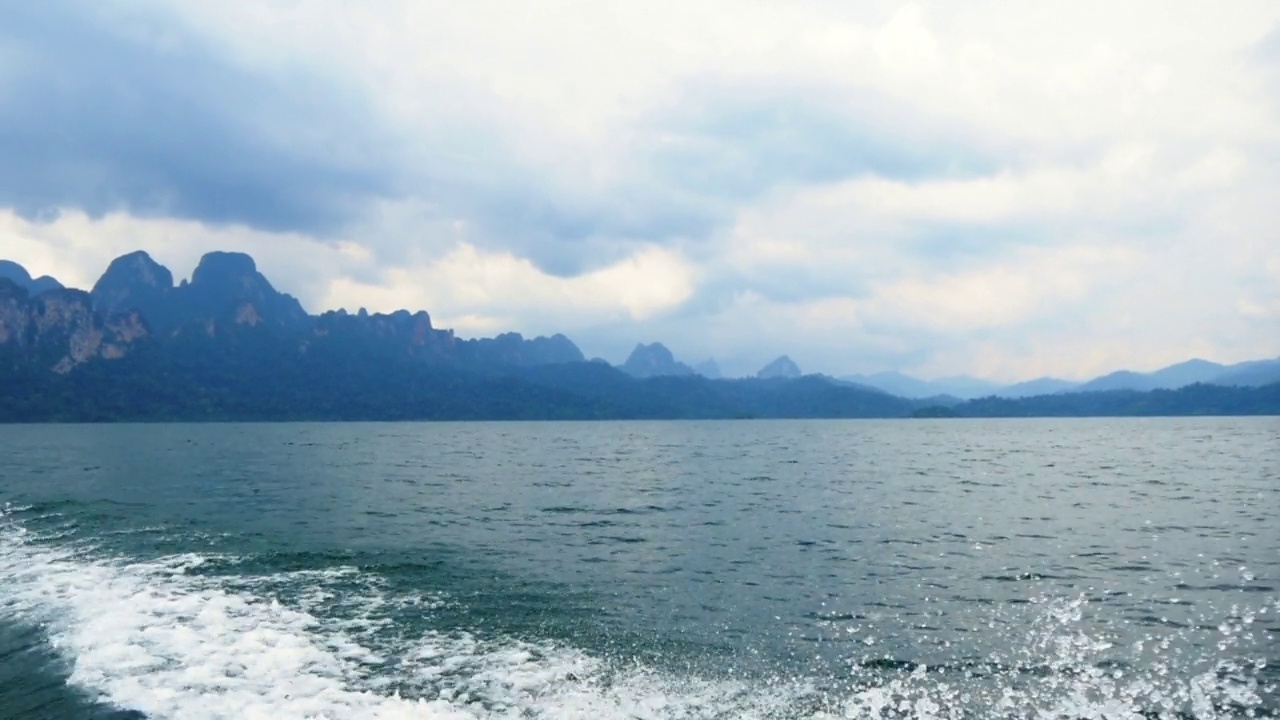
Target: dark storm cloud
[[102, 113]]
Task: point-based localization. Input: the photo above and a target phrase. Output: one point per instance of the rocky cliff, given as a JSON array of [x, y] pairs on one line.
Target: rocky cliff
[[229, 306], [59, 329]]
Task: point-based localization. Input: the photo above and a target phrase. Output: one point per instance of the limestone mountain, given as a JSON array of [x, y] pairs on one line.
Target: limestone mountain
[[230, 307], [654, 360], [57, 330], [783, 367], [136, 282], [405, 335], [228, 345], [227, 286], [225, 289], [512, 349]]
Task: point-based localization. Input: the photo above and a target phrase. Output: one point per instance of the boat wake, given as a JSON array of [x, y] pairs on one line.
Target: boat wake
[[168, 639]]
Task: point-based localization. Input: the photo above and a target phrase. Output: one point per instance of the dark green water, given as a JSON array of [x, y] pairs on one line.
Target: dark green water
[[948, 569]]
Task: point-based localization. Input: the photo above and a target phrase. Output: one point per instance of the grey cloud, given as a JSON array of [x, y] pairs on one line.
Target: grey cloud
[[146, 116], [143, 116], [698, 164], [740, 144], [567, 234]]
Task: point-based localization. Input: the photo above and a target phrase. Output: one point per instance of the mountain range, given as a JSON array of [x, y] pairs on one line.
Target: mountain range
[[227, 345], [655, 359], [1254, 373]]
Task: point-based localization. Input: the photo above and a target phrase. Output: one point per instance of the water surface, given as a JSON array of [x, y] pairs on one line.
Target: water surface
[[774, 569]]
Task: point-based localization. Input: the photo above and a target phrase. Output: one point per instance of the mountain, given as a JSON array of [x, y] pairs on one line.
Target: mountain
[[964, 386], [1180, 375], [19, 276], [136, 282], [708, 369], [959, 386], [783, 367], [228, 286], [1254, 373], [1196, 399], [654, 360], [225, 289], [1039, 386], [894, 383], [514, 350], [229, 298], [1186, 373], [228, 346], [57, 330], [1171, 377], [1119, 380]]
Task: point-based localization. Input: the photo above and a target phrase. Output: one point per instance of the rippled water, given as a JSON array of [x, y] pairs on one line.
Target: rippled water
[[897, 569]]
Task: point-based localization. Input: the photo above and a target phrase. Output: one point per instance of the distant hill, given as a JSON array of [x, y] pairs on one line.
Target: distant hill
[[959, 386], [782, 367], [708, 369], [1255, 373], [654, 360], [895, 383], [1198, 399], [17, 274], [1186, 373], [1039, 386], [1119, 380]]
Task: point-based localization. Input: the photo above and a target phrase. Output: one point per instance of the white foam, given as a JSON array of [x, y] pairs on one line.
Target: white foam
[[151, 637], [172, 643]]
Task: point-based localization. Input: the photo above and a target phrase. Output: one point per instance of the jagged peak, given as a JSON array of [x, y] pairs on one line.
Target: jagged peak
[[654, 350], [653, 360], [781, 367]]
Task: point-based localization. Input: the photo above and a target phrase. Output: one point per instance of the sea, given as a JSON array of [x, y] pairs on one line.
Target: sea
[[1043, 568]]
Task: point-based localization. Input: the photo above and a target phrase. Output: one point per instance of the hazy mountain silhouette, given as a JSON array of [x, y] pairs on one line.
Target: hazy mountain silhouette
[[1039, 386], [654, 360], [19, 276], [782, 367], [1253, 373], [708, 369]]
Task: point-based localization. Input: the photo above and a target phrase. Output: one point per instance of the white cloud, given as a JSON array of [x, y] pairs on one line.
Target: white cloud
[[1061, 188], [478, 292]]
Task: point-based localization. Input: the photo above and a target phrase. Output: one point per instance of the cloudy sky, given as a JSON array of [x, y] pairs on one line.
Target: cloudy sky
[[1002, 189]]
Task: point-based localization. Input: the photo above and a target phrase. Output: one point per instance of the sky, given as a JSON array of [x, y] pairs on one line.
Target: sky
[[1005, 190]]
